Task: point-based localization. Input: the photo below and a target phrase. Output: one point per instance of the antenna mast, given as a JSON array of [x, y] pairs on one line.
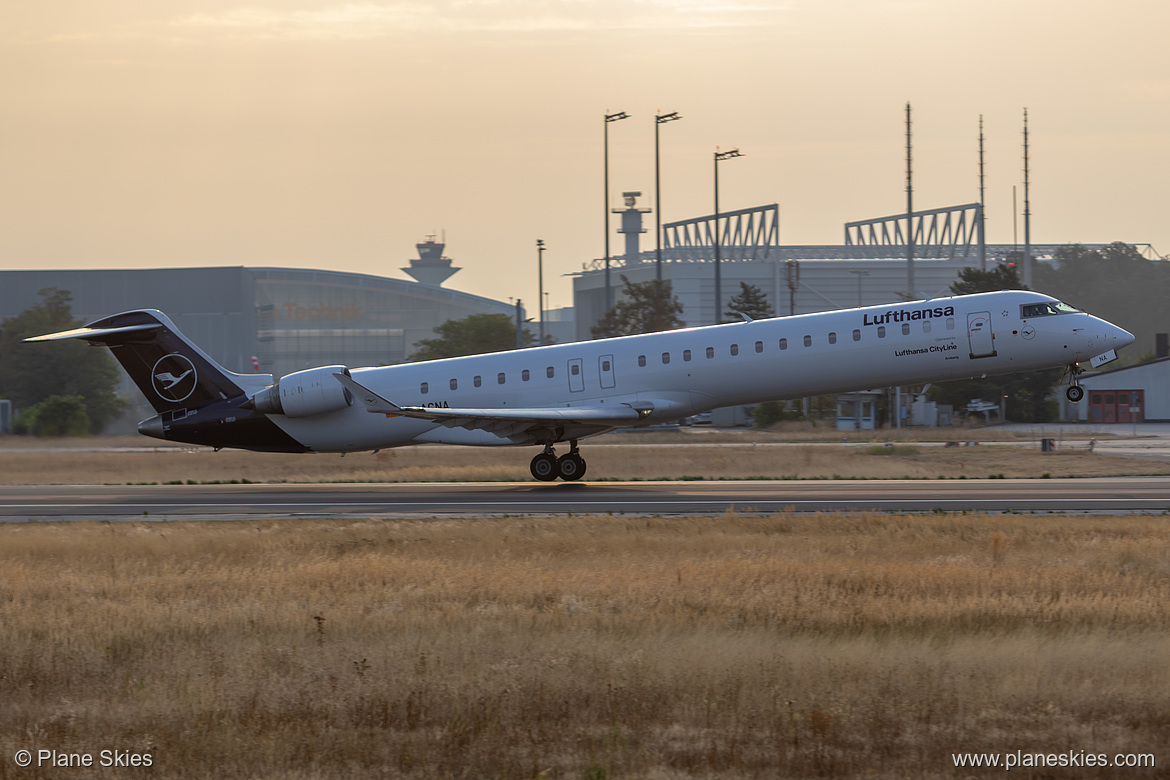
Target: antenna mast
[[982, 205], [909, 211], [1027, 213]]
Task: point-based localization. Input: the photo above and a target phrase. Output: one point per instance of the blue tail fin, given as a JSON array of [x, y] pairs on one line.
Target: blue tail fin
[[170, 371]]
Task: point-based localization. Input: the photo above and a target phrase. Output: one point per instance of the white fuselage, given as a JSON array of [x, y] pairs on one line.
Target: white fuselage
[[683, 372]]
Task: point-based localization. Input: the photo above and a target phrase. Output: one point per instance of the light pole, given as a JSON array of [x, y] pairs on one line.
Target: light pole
[[719, 157], [659, 119], [857, 407], [605, 206], [540, 282], [859, 274]]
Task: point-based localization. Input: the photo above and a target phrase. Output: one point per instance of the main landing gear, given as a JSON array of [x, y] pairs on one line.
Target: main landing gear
[[547, 466], [1074, 392]]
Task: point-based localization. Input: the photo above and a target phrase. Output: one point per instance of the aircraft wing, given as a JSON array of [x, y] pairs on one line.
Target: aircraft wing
[[503, 422]]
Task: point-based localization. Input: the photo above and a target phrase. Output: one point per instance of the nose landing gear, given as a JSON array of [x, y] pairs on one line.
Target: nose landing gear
[[1074, 392], [547, 466]]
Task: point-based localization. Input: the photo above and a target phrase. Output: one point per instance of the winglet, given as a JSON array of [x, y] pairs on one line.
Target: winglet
[[372, 401]]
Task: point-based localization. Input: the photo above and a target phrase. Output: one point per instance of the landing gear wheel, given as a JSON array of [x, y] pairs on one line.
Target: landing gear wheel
[[1074, 393], [571, 467], [544, 467]]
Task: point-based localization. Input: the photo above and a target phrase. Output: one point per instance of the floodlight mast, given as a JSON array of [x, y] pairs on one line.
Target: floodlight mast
[[608, 290], [540, 284], [659, 119], [719, 157]]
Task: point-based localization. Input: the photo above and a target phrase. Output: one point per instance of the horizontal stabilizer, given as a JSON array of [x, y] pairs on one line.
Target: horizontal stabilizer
[[94, 334]]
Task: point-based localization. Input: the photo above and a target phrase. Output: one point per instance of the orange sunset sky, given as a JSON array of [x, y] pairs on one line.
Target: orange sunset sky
[[146, 133]]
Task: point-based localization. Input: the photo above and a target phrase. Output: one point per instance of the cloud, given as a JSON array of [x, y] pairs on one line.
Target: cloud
[[412, 17]]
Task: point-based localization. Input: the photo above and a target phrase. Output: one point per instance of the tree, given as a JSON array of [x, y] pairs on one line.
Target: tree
[[1027, 394], [647, 307], [1115, 283], [31, 373], [1004, 276], [57, 415], [751, 301], [473, 335]]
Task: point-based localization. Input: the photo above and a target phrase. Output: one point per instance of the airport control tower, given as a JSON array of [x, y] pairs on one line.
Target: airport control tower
[[632, 226], [430, 267]]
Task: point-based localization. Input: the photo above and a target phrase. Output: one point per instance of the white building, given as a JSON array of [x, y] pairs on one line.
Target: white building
[[1125, 395]]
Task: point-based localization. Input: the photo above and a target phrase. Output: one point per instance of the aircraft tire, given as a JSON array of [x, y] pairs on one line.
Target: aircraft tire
[[544, 467], [571, 467], [1074, 393]]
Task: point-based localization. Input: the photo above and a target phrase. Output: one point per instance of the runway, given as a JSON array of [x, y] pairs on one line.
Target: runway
[[224, 502]]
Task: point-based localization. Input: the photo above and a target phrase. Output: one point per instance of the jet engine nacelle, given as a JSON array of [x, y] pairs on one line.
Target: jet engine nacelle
[[305, 393]]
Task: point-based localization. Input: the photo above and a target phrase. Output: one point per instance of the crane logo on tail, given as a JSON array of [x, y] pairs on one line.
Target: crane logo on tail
[[174, 378]]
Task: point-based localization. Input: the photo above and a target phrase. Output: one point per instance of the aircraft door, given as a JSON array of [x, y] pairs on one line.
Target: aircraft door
[[576, 376], [979, 334], [605, 371]]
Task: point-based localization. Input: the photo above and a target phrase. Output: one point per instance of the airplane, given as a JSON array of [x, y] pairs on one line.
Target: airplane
[[547, 395]]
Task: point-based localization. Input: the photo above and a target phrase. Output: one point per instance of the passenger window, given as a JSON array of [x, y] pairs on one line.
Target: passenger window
[[710, 352], [454, 384], [783, 343], [734, 350], [665, 358], [856, 334], [477, 381], [500, 378], [686, 355], [525, 375], [950, 323], [832, 338], [905, 328], [642, 361], [808, 341], [550, 372], [424, 388], [926, 326], [759, 346], [881, 331]]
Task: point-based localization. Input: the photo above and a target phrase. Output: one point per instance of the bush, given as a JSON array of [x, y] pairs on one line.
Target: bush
[[57, 415], [771, 412]]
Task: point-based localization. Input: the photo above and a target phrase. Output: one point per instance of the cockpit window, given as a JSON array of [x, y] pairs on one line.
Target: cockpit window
[[1045, 309]]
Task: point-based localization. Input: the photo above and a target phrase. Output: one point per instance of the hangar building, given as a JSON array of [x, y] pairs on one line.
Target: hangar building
[[287, 318]]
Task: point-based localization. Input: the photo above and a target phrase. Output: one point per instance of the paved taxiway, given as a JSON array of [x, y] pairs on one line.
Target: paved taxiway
[[162, 502]]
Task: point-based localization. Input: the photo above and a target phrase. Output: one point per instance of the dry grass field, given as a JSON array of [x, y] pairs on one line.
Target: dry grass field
[[618, 457], [863, 646]]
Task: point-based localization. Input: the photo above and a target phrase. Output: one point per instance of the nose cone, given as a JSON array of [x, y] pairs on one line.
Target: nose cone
[[152, 427], [1121, 337]]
